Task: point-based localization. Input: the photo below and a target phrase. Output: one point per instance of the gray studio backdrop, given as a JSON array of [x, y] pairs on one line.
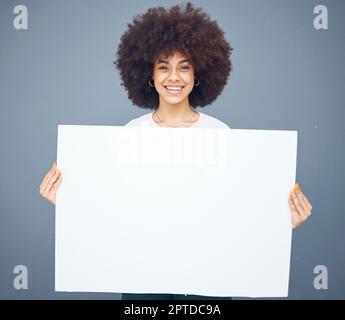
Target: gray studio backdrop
[[287, 75]]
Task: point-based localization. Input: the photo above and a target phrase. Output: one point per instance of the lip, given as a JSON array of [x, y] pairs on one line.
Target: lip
[[174, 92]]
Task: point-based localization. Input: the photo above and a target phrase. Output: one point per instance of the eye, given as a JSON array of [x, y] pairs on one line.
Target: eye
[[162, 68]]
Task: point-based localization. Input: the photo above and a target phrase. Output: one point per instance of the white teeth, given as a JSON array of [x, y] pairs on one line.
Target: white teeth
[[174, 88]]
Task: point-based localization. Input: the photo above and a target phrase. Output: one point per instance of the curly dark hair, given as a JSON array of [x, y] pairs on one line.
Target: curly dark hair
[[184, 29]]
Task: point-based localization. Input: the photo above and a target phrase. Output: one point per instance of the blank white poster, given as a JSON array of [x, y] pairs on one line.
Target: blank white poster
[[174, 210]]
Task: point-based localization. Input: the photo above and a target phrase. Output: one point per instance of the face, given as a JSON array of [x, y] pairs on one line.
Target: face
[[173, 78]]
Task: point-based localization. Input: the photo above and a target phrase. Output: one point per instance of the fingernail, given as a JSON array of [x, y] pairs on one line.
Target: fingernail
[[297, 187], [53, 166]]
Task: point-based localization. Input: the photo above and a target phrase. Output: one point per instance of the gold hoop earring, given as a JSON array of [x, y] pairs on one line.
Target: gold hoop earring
[[151, 85], [195, 85]]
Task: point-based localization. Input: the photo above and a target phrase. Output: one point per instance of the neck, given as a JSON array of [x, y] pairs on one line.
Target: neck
[[174, 112]]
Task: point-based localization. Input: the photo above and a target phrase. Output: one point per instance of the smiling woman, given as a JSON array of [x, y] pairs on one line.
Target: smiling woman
[[173, 61]]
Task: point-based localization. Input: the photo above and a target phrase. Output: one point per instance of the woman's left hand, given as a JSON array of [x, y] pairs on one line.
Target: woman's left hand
[[300, 207]]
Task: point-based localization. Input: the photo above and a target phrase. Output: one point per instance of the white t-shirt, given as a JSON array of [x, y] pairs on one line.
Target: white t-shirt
[[204, 121]]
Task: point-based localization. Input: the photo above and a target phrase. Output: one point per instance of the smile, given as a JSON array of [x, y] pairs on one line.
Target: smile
[[174, 90]]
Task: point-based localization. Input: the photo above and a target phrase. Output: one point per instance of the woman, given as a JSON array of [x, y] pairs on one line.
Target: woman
[[172, 61]]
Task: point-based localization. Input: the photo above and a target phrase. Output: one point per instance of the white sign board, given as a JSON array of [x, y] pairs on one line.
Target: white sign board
[[174, 210]]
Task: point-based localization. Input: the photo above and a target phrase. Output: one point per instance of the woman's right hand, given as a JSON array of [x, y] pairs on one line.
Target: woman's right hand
[[50, 183]]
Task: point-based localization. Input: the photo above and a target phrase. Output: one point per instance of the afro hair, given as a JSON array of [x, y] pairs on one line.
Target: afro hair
[[184, 29]]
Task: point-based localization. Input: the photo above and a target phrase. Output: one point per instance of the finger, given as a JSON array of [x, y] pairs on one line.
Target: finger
[[293, 208], [298, 204], [50, 172], [50, 183], [306, 201], [301, 200], [306, 206], [296, 218], [48, 179], [57, 183], [292, 203], [305, 212]]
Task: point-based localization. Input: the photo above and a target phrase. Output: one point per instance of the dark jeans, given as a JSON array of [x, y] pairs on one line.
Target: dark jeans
[[166, 296]]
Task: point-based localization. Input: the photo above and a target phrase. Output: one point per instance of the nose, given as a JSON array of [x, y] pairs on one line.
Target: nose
[[173, 75]]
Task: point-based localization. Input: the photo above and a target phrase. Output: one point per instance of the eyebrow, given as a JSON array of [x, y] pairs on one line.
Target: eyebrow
[[166, 62]]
